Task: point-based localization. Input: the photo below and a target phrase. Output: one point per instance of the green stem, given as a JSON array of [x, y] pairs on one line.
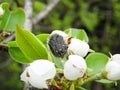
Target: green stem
[[72, 86], [82, 82], [90, 79]]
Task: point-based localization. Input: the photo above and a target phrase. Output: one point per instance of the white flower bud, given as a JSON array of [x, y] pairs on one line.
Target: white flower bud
[[116, 57], [112, 70], [1, 11], [75, 67], [78, 47], [38, 73]]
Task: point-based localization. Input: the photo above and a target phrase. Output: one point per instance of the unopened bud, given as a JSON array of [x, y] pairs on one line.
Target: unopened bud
[[75, 67], [78, 47], [38, 73], [112, 70]]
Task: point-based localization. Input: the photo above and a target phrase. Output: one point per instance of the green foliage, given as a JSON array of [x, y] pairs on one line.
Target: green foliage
[[9, 77], [89, 20], [27, 47], [17, 54], [72, 87], [39, 6], [77, 33], [58, 62], [104, 81], [43, 38], [96, 62], [30, 45], [9, 21]]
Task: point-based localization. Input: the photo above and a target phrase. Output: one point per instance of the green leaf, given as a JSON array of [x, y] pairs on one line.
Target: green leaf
[[104, 81], [90, 20], [30, 45], [10, 19], [43, 38], [16, 54], [77, 33], [96, 62], [39, 6], [58, 62], [12, 44]]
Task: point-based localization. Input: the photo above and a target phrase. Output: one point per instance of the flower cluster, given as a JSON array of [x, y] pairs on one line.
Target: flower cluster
[[75, 67], [112, 68], [40, 71]]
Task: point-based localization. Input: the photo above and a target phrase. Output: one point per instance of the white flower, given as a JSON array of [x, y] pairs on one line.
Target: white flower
[[75, 67], [38, 73], [116, 57], [1, 11], [112, 70], [78, 47]]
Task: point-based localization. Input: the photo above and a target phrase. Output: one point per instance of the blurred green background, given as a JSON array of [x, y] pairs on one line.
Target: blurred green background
[[99, 18]]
